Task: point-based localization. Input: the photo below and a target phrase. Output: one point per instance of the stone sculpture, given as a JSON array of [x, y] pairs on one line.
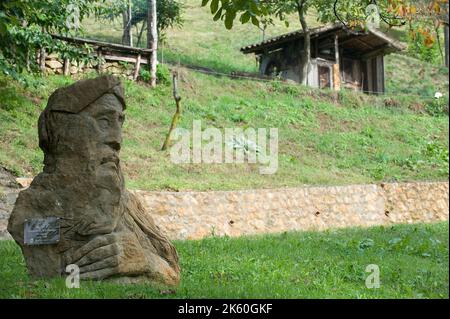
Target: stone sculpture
[[77, 211]]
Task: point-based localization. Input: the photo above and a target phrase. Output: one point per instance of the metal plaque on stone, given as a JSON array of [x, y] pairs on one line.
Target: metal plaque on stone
[[41, 231]]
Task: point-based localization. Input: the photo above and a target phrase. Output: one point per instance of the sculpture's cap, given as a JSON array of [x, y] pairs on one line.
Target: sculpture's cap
[[74, 98]]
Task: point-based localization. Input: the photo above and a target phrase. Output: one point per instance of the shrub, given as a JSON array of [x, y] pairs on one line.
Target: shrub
[[350, 99], [163, 74], [435, 151], [144, 75], [437, 107], [418, 49]]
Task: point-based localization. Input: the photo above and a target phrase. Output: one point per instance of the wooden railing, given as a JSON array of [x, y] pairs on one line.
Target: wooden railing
[[111, 52]]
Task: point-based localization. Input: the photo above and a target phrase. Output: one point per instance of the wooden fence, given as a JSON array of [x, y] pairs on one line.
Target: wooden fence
[[106, 52]]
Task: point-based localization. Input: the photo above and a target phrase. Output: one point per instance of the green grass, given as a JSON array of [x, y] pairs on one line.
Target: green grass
[[409, 76], [201, 41], [205, 43], [359, 140], [413, 262]]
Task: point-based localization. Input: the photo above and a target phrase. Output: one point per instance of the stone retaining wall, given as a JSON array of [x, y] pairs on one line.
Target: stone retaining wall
[[9, 189], [55, 65], [194, 215]]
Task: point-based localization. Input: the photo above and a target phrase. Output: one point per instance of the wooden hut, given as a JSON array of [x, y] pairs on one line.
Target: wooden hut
[[339, 58]]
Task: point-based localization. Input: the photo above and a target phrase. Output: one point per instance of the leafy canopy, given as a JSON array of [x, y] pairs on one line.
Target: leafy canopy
[[25, 27]]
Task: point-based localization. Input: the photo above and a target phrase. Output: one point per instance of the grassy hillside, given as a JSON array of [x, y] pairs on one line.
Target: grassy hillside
[[359, 139], [354, 139], [204, 43], [406, 76], [201, 41], [412, 259]]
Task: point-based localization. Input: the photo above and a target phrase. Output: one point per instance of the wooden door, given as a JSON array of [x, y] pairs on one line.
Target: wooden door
[[324, 77]]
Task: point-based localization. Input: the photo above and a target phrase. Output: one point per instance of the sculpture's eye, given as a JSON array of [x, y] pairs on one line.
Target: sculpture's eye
[[103, 122], [121, 119]]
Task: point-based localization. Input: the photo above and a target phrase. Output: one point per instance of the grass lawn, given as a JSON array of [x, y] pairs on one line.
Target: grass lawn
[[412, 259]]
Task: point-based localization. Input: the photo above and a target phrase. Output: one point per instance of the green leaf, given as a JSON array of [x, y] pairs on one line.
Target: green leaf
[[245, 17], [214, 6], [255, 21], [204, 2], [3, 28], [286, 23], [254, 8], [218, 15], [229, 18]]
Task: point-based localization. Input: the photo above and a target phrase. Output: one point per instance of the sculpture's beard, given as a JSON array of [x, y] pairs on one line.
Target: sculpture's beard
[[95, 182], [108, 173], [96, 165]]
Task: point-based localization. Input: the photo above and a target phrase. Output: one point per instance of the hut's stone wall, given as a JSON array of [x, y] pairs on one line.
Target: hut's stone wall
[[55, 65]]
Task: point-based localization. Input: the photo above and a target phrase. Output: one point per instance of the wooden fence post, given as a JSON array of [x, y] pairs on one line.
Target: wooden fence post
[[100, 60], [177, 114], [42, 59], [137, 67], [66, 66]]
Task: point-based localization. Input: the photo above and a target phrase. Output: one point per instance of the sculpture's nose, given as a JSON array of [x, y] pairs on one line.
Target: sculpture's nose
[[114, 145], [113, 137]]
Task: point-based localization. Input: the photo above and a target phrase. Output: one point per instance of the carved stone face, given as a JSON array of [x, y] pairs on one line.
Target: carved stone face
[[86, 153], [104, 136], [88, 139], [106, 115]]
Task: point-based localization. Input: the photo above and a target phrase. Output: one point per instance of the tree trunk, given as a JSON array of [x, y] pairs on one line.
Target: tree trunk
[[152, 39], [446, 34], [305, 60], [140, 33], [336, 65], [127, 36], [446, 44], [438, 40]]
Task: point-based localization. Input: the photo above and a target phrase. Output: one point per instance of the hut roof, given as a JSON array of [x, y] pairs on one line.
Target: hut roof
[[364, 42]]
